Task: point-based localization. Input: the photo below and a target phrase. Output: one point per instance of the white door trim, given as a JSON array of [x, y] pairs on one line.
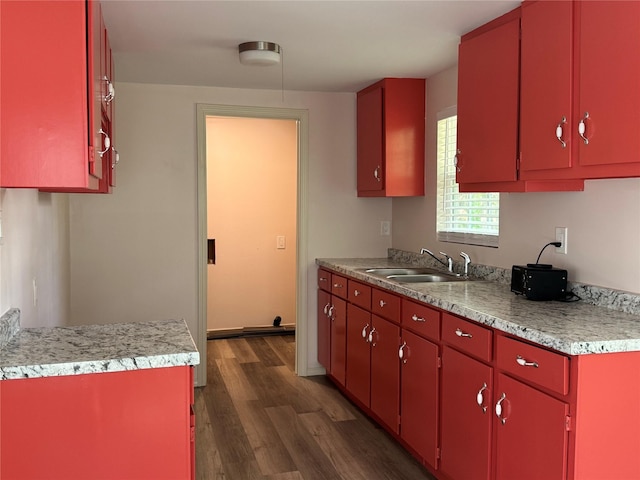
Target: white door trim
[[302, 118]]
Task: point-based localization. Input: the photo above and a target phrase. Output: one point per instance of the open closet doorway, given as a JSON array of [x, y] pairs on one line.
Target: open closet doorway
[[251, 221]]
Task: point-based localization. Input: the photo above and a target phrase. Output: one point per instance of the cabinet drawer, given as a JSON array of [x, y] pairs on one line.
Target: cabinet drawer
[[324, 279], [467, 336], [421, 319], [360, 294], [385, 304], [339, 286], [534, 364]]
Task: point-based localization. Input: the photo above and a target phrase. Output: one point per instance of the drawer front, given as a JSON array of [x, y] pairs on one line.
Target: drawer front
[[385, 304], [421, 319], [360, 294], [534, 364], [339, 285], [467, 336], [324, 279]]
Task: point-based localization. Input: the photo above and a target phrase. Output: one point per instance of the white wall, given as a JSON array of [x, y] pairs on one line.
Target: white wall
[[35, 248], [603, 220], [251, 199], [134, 252]]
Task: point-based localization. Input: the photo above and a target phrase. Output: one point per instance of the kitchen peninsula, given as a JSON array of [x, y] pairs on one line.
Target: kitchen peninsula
[[480, 383], [108, 401]]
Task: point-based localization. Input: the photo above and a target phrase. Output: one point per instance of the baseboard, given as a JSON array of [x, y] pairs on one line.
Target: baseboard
[[289, 329]]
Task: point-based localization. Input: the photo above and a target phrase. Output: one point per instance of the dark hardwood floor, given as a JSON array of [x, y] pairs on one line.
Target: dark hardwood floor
[[257, 420]]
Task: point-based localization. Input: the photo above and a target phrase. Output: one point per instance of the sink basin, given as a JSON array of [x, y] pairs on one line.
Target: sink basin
[[425, 277], [385, 272]]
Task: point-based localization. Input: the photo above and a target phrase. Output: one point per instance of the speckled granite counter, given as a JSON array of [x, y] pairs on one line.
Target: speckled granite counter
[[574, 328], [44, 352]]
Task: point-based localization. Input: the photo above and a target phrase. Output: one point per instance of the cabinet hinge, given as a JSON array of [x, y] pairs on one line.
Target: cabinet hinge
[[439, 362], [92, 155], [438, 453], [398, 421], [518, 166], [567, 423]]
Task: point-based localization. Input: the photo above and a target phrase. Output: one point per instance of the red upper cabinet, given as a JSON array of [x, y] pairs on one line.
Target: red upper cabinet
[[546, 118], [580, 102], [608, 88], [390, 138], [50, 135], [488, 105]]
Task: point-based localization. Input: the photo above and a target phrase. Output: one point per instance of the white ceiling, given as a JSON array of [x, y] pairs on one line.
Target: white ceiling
[[330, 46]]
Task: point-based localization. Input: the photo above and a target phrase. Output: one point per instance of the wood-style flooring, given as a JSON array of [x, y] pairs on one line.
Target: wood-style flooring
[[257, 420]]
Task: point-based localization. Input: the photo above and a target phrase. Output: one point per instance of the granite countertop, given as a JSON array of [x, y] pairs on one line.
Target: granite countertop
[[45, 352], [574, 328]]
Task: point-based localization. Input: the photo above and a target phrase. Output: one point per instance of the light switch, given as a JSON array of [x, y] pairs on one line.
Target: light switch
[[280, 242]]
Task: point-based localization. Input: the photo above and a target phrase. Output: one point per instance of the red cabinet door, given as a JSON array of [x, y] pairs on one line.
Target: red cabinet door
[[385, 371], [419, 396], [545, 86], [338, 338], [488, 91], [370, 141], [531, 437], [466, 417], [358, 353], [608, 80], [324, 330], [124, 425]]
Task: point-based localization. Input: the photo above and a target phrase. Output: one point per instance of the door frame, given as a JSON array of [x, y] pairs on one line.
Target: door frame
[[302, 120]]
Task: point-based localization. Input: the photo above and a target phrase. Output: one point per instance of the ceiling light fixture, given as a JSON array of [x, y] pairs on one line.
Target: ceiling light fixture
[[259, 53]]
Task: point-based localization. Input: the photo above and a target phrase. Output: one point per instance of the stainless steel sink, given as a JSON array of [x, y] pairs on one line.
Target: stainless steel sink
[[385, 272], [426, 277]]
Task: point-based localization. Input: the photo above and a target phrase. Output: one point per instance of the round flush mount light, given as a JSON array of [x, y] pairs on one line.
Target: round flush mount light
[[259, 53]]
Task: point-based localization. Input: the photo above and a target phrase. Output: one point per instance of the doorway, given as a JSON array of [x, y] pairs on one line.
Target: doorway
[[251, 225], [300, 117]]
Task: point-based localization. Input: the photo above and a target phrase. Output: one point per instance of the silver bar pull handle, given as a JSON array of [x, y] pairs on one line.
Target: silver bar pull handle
[[460, 333], [416, 318]]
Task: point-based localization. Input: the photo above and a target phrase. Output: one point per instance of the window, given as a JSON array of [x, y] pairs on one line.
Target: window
[[471, 218]]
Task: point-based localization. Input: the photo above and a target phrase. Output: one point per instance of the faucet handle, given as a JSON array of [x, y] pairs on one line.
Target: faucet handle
[[449, 261]]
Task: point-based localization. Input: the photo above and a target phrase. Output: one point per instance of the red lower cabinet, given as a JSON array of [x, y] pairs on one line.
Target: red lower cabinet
[[324, 329], [466, 416], [358, 354], [385, 372], [419, 396], [531, 433], [122, 425]]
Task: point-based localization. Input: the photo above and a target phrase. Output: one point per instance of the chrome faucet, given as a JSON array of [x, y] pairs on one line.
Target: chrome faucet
[[467, 261], [448, 263]]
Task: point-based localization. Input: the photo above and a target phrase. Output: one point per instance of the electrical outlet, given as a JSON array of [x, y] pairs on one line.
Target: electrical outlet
[[561, 236], [385, 228], [280, 242]]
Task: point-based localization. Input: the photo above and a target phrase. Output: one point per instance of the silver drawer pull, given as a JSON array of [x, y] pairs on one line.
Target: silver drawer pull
[[364, 333], [337, 285], [382, 303], [356, 292], [416, 318], [460, 333], [499, 409], [480, 398], [523, 363], [322, 279]]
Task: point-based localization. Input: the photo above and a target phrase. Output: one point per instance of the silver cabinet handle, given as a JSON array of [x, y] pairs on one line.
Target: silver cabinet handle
[[322, 279], [401, 352], [356, 293], [455, 160], [560, 133], [382, 303], [330, 314], [523, 363], [337, 285], [376, 173], [499, 408], [373, 344], [364, 333], [416, 318], [460, 333], [582, 128], [480, 398], [116, 157], [111, 91], [106, 143], [326, 309]]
